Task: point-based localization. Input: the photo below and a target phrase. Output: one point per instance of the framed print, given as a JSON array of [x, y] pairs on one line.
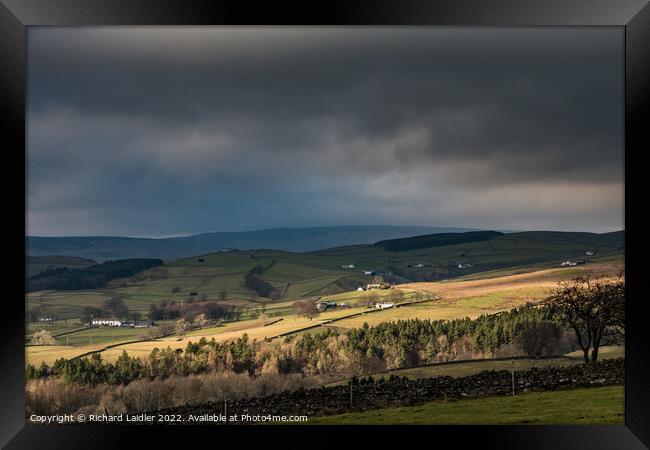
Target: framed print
[[255, 221]]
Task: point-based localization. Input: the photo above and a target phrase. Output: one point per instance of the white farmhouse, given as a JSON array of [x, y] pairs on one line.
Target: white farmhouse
[[384, 305]]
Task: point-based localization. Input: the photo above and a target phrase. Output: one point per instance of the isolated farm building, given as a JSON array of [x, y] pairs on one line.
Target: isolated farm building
[[372, 286], [569, 263], [573, 263], [463, 266], [381, 274], [384, 305], [322, 306], [347, 266], [143, 323], [367, 272], [45, 319]]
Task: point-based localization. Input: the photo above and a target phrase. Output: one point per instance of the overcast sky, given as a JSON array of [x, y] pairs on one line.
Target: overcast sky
[[152, 131]]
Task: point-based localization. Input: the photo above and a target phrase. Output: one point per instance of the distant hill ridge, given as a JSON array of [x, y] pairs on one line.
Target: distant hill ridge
[[275, 274], [103, 248], [435, 240]]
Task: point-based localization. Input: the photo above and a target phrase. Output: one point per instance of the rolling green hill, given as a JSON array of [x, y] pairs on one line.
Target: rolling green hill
[[325, 272], [37, 264]]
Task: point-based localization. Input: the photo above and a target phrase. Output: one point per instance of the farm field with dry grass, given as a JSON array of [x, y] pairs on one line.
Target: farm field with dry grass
[[472, 298], [255, 329], [458, 298]]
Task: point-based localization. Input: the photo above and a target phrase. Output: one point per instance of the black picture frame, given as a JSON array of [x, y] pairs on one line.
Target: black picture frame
[[16, 15]]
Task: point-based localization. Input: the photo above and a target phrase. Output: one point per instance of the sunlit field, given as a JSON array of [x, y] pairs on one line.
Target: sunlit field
[[458, 298]]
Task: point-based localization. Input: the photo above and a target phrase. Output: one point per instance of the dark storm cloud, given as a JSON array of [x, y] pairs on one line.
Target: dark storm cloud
[[250, 127]]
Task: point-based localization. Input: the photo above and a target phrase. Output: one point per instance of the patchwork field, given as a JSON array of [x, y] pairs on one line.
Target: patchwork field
[[67, 305], [544, 278], [471, 298], [101, 336], [255, 329], [500, 273], [446, 309], [598, 405], [312, 274], [54, 328], [458, 298]]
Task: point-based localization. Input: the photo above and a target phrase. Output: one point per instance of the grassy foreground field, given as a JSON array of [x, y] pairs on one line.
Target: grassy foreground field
[[587, 406]]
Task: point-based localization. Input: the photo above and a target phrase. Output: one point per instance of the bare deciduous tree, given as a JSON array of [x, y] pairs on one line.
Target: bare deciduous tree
[[396, 295], [369, 299], [43, 337], [594, 308], [181, 326], [537, 338], [200, 321], [306, 308], [417, 296]]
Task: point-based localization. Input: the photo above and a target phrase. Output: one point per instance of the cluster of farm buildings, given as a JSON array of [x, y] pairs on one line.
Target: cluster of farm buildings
[[569, 263], [577, 262], [372, 286], [121, 323], [323, 306]]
